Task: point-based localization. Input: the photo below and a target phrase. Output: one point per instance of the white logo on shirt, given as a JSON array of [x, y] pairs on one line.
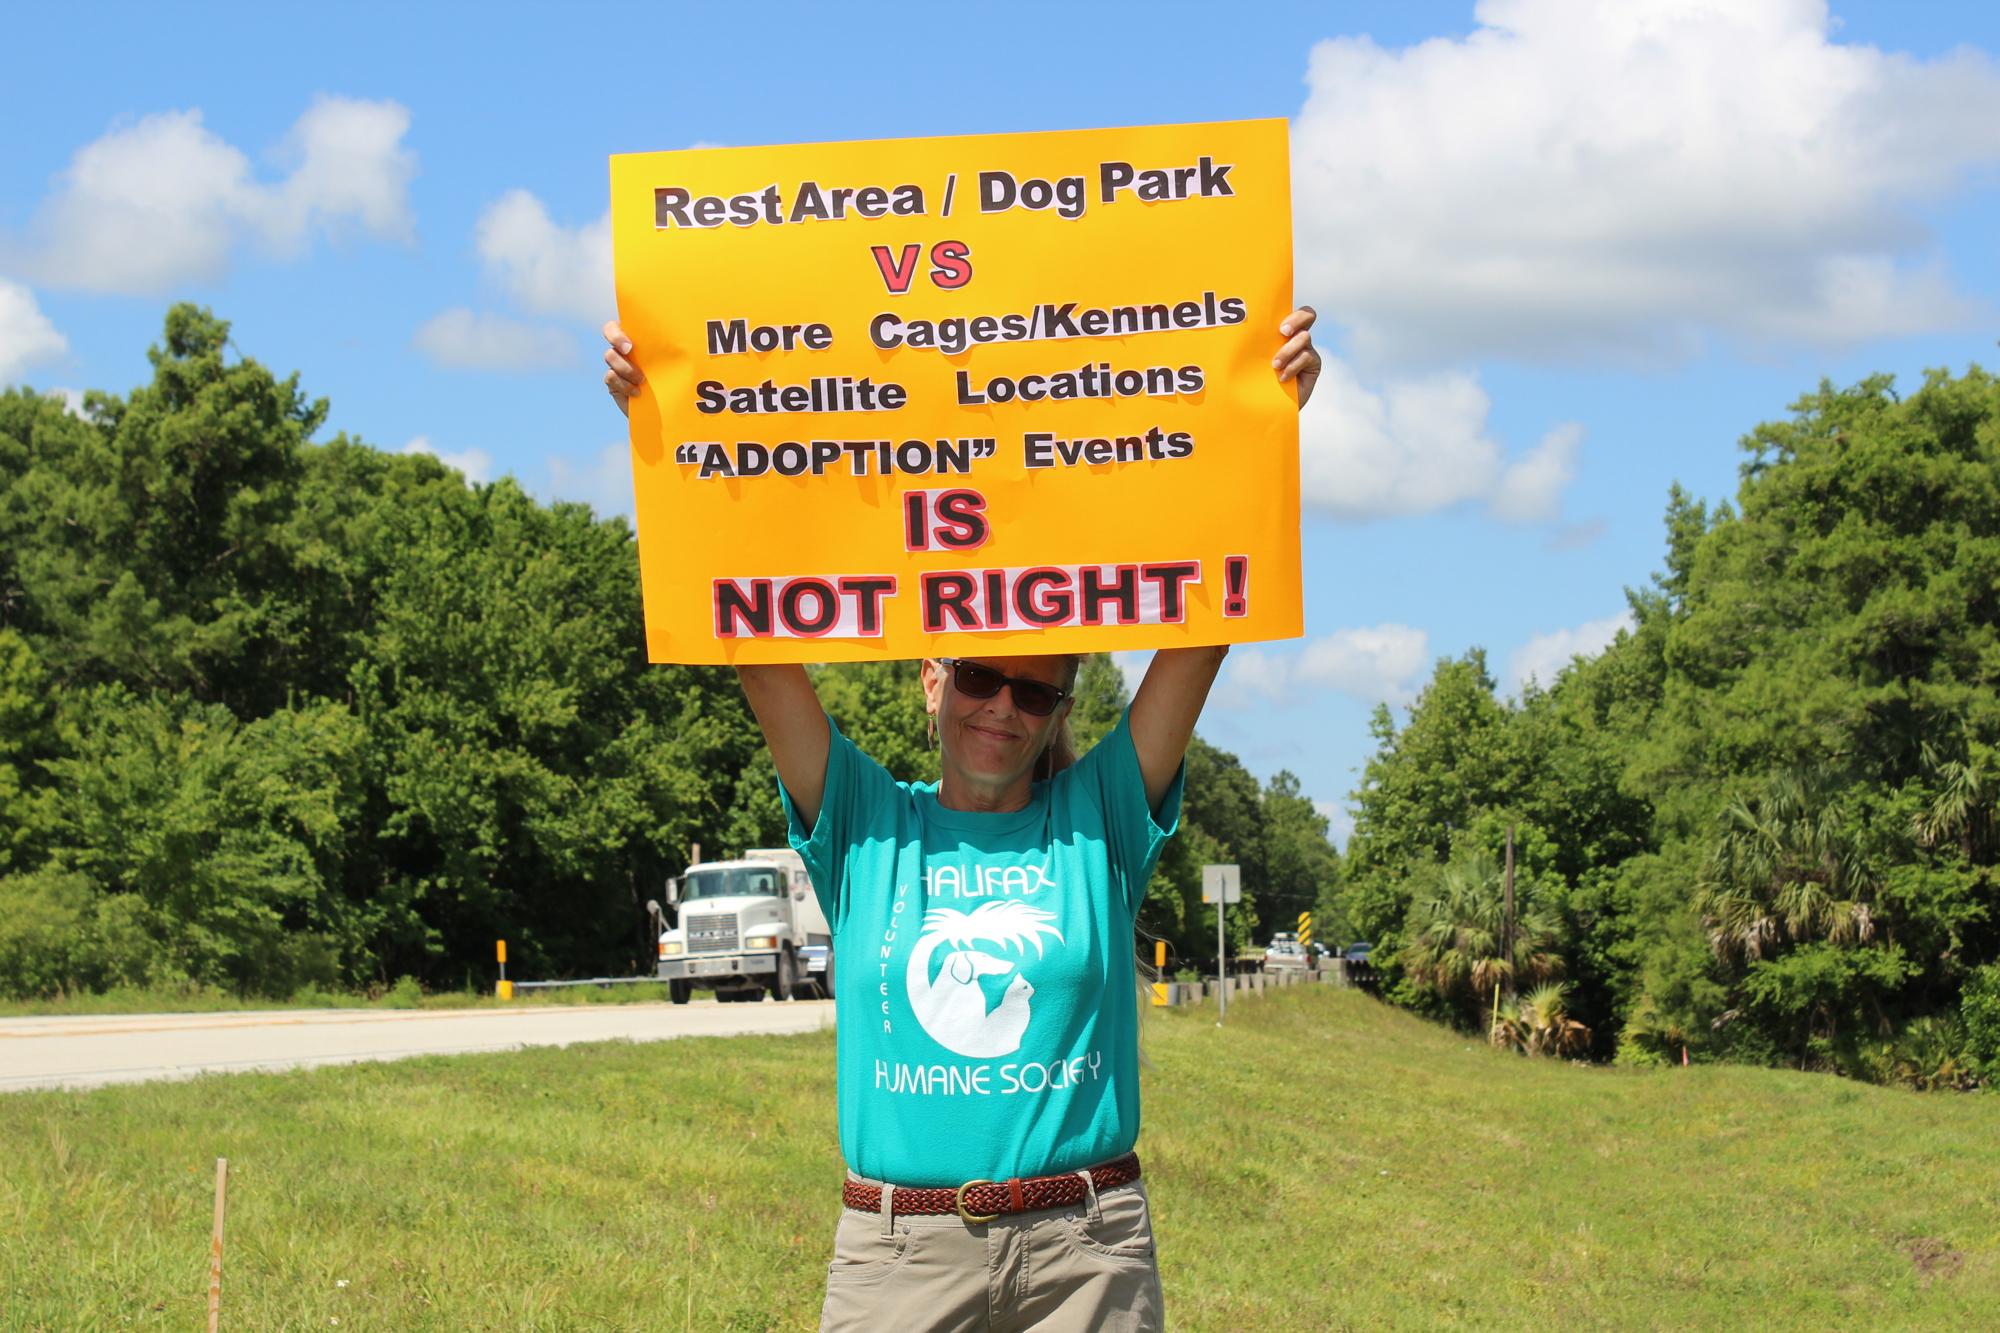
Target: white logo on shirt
[[952, 1009]]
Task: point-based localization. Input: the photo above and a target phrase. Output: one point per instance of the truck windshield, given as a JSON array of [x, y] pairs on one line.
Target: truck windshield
[[736, 882]]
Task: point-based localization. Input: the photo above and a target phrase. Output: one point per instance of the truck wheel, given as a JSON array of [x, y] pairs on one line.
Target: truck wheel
[[680, 991], [785, 981], [826, 977]]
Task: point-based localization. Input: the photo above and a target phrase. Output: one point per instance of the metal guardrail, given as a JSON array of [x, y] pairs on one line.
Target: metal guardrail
[[520, 986]]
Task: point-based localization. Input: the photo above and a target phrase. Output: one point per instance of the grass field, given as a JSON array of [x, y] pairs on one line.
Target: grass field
[[1320, 1163]]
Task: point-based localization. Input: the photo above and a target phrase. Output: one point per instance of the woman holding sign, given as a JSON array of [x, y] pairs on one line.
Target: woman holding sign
[[988, 1063]]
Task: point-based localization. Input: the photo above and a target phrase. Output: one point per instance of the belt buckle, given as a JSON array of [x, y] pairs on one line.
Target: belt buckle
[[959, 1199]]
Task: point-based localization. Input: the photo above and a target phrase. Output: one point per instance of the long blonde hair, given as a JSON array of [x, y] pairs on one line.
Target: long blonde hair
[[1060, 752]]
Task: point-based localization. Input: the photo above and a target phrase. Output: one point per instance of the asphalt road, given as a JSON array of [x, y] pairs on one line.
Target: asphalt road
[[87, 1052]]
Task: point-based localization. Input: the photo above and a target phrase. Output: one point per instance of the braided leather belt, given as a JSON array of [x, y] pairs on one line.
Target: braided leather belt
[[984, 1200]]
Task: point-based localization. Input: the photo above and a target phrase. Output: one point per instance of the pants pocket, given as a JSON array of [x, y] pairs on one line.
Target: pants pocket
[[861, 1254], [1123, 1235]]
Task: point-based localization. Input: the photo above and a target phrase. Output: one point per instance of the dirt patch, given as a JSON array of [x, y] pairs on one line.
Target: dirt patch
[[1934, 1259]]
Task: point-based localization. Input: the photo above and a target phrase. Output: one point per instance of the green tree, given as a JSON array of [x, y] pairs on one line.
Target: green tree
[[28, 738], [508, 764], [1101, 699], [226, 837], [152, 544], [538, 780], [1301, 869]]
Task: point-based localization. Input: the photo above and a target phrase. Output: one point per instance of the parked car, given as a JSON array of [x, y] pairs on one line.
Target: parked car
[[1284, 952], [1358, 951]]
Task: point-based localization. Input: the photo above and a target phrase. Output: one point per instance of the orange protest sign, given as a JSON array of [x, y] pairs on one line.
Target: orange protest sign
[[1005, 393]]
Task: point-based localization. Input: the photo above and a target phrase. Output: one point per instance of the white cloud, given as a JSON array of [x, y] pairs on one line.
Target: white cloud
[[476, 464], [1339, 825], [1530, 490], [26, 336], [349, 168], [1618, 177], [163, 201], [1249, 674], [1543, 656], [547, 268], [461, 340], [604, 483], [1418, 445], [72, 401], [1376, 664]]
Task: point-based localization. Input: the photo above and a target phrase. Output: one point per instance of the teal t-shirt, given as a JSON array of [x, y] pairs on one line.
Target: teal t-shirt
[[983, 966]]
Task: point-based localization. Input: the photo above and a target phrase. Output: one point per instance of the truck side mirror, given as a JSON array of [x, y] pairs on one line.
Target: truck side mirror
[[798, 895], [674, 891]]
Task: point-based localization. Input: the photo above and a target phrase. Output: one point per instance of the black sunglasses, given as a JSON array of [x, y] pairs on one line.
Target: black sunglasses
[[982, 682]]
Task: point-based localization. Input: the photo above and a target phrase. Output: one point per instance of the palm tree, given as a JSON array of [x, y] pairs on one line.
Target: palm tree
[[1455, 934], [1933, 1054], [1539, 1023], [1783, 871], [1962, 809]]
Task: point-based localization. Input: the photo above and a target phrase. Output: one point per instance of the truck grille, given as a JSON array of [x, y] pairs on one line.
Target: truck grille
[[709, 934]]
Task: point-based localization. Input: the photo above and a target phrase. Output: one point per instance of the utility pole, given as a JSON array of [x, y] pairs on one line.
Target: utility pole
[[1507, 918]]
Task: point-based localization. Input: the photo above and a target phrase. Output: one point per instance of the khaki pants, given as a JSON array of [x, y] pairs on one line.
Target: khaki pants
[[1080, 1269]]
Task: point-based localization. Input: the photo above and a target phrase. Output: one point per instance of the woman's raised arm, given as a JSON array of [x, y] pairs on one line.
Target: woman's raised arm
[[794, 727], [1165, 709]]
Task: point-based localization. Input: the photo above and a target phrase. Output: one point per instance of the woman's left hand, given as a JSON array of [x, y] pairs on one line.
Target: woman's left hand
[[1298, 359], [622, 378]]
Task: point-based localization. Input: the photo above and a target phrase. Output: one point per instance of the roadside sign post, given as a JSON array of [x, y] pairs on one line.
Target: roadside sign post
[[505, 990], [1221, 885]]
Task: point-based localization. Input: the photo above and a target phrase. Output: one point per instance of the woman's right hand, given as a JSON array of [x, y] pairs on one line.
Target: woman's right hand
[[622, 378]]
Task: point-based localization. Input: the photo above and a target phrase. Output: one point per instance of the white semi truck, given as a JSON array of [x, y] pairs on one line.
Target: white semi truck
[[747, 928]]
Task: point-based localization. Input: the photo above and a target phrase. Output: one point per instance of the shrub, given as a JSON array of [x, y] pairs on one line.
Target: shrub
[[1979, 1010]]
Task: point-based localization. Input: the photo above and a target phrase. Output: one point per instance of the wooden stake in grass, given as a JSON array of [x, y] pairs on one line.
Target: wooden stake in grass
[[215, 1248], [690, 1314]]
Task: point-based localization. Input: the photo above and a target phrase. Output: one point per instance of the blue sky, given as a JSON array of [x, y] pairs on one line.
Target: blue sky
[[1567, 252]]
